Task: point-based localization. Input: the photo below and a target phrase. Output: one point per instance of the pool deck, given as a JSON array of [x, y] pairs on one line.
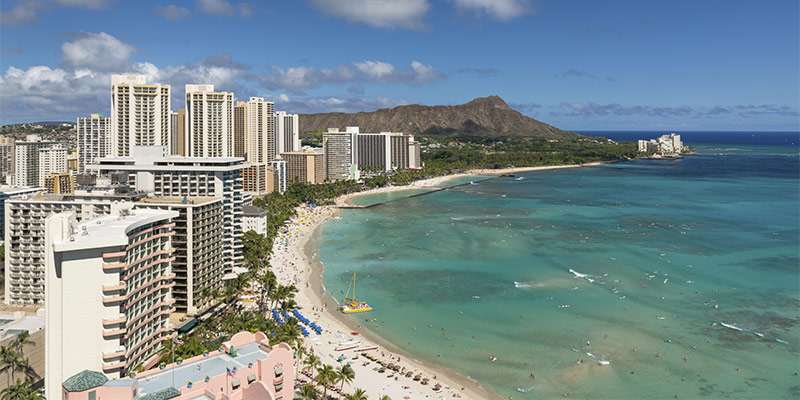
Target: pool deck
[[213, 365]]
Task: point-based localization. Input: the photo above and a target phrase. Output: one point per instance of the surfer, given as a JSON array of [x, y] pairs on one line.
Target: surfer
[[532, 377]]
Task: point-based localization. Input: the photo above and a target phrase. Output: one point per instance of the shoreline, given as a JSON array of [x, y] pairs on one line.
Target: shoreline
[[300, 264], [438, 181], [297, 263]]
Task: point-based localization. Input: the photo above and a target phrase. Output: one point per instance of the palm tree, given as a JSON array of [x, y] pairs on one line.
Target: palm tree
[[269, 284], [313, 363], [300, 353], [346, 374], [358, 394], [8, 358], [385, 397], [12, 359], [22, 340], [21, 391], [307, 392], [325, 377]]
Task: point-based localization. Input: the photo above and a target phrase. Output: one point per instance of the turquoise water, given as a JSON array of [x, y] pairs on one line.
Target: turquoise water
[[668, 238]]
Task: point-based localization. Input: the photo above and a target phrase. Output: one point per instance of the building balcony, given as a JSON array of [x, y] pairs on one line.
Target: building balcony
[[113, 266], [113, 299], [114, 254], [112, 288], [115, 354], [114, 321], [113, 366]]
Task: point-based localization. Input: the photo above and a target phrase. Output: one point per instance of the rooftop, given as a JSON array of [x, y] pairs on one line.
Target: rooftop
[[215, 364], [179, 200], [13, 190], [84, 380], [251, 210], [111, 228]]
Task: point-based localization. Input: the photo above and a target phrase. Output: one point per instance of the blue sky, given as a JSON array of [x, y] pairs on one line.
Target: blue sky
[[578, 65]]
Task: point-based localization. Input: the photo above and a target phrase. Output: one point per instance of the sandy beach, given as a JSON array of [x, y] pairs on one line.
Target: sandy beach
[[294, 261]]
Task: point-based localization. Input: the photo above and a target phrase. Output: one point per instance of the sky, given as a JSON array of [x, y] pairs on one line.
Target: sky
[[578, 65]]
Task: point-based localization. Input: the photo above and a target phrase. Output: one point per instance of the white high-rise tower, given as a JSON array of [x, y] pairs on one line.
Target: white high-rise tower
[[209, 122], [139, 114]]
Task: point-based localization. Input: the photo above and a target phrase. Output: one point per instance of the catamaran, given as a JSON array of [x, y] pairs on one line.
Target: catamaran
[[351, 305]]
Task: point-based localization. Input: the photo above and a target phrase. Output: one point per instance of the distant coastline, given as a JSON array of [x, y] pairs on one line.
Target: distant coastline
[[440, 181]]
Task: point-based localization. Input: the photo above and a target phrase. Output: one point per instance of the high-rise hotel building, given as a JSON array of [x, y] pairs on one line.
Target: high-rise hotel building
[[108, 292], [140, 114], [304, 166], [24, 234], [239, 129], [148, 170], [51, 161], [209, 122], [26, 160], [6, 159], [260, 131], [287, 131], [340, 151], [94, 139]]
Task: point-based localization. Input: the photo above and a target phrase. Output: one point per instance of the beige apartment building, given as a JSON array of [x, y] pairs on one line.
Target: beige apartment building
[[109, 284], [199, 263], [260, 131], [178, 126], [140, 114], [304, 166], [254, 179], [60, 183], [239, 129], [209, 122]]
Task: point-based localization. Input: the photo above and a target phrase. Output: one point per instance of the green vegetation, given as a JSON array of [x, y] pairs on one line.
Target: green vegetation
[[313, 138], [495, 152], [21, 390], [13, 360]]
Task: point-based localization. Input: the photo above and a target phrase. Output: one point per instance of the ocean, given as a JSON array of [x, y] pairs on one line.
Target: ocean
[[682, 276]]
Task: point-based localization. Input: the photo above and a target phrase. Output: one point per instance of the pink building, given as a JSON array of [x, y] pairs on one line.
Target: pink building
[[246, 367]]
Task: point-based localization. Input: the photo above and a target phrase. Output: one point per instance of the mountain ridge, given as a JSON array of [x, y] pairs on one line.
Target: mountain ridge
[[489, 115]]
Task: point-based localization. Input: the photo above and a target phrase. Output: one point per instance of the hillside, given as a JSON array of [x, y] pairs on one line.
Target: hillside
[[482, 116]]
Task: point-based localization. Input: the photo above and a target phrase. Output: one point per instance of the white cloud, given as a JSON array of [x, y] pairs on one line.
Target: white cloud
[[21, 13], [502, 10], [377, 70], [406, 14], [97, 52], [172, 12], [80, 86], [421, 73], [25, 11], [310, 105], [295, 79], [215, 7], [90, 4]]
